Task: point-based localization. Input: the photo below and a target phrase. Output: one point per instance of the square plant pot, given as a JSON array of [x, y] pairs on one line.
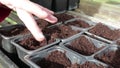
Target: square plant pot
[[110, 56], [52, 58], [10, 32], [44, 3], [106, 32], [80, 23], [63, 16], [59, 5], [73, 4], [90, 64], [5, 62], [61, 31], [84, 45], [27, 44]]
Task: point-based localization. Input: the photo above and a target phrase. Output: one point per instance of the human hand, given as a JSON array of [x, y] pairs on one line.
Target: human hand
[[25, 10]]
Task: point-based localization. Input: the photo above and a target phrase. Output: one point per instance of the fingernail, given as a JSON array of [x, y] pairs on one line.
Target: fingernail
[[40, 37], [51, 12], [52, 19]]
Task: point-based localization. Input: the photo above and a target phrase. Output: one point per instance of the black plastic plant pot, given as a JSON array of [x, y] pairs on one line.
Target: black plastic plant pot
[[73, 4], [52, 58], [8, 33], [59, 5], [0, 41], [27, 44], [44, 3], [5, 62]]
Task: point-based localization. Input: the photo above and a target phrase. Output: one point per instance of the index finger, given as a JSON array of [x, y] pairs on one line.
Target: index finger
[[30, 23]]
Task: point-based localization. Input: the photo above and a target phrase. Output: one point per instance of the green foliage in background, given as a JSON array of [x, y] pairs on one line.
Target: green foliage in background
[[103, 1], [10, 21]]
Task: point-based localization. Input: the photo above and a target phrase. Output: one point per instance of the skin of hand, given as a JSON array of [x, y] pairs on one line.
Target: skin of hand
[[25, 10]]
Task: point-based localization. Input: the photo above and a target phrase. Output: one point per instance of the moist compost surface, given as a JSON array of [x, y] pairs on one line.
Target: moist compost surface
[[83, 46], [51, 34], [43, 24], [79, 23], [55, 59], [61, 31], [118, 42], [105, 32], [86, 65], [110, 57], [31, 44], [62, 17], [19, 30]]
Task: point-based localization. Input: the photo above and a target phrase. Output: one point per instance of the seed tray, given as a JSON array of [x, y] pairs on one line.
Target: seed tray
[[21, 51], [81, 44], [5, 62], [33, 58], [98, 41], [7, 37]]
